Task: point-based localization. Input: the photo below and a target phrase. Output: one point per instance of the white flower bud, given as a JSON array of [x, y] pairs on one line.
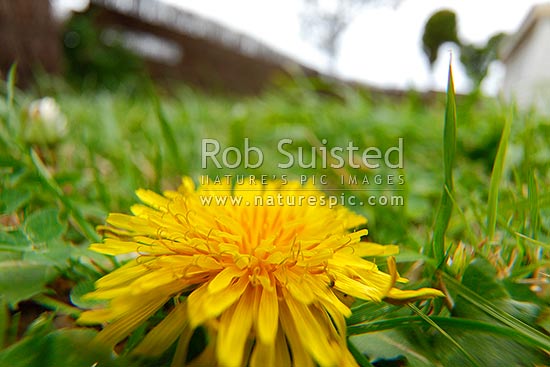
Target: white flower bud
[[46, 124]]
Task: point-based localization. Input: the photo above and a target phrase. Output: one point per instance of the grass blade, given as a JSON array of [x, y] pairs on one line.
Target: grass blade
[[4, 321], [56, 305], [447, 322], [535, 336], [10, 129], [369, 311], [167, 132], [534, 213], [432, 323], [533, 241], [11, 85], [449, 147], [359, 357], [52, 185], [468, 226], [496, 176]]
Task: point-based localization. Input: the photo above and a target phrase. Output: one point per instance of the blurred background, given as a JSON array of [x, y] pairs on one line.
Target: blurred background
[[239, 45]]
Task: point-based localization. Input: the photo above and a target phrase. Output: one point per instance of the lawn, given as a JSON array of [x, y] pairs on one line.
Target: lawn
[[474, 220]]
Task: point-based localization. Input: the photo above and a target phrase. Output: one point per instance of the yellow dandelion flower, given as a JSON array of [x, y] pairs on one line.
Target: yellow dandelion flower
[[265, 281]]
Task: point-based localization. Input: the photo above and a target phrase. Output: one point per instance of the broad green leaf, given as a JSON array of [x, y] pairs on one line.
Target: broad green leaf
[[535, 337], [490, 350], [10, 256], [14, 241], [474, 326], [56, 254], [360, 358], [522, 291], [69, 347], [54, 188], [20, 280], [471, 359], [13, 199], [480, 276], [491, 343], [44, 225], [392, 345]]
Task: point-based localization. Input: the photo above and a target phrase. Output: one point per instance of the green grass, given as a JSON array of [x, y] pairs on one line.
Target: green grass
[[475, 221], [445, 209]]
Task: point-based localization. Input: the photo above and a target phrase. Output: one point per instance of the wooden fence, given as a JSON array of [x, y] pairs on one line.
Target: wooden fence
[[28, 36]]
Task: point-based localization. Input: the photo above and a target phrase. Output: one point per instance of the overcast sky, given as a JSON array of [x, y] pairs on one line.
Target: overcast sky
[[383, 44]]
